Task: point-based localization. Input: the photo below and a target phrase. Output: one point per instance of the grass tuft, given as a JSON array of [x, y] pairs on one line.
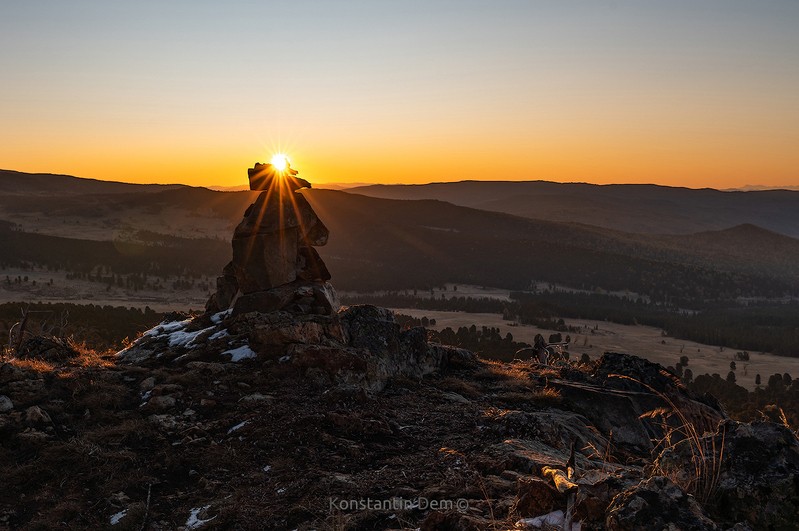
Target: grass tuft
[[706, 454]]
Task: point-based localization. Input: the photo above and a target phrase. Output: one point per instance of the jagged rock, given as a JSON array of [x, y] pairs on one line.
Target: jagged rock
[[46, 348], [644, 376], [371, 328], [612, 412], [263, 177], [267, 243], [162, 402], [310, 265], [6, 404], [270, 333], [625, 388], [557, 429], [657, 503], [535, 496], [759, 471], [35, 415], [299, 297], [265, 301], [757, 466], [147, 384], [10, 373], [277, 211], [227, 286], [272, 246], [263, 261], [596, 491]]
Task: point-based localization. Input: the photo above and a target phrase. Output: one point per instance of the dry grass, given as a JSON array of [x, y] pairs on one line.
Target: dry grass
[[88, 357], [462, 387], [509, 375], [785, 422], [29, 364], [544, 396], [702, 477]]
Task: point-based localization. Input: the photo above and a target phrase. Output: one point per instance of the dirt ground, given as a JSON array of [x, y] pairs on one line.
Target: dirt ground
[[644, 341]]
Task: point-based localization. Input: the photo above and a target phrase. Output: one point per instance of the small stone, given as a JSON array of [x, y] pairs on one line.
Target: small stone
[[162, 402], [256, 397], [147, 384], [455, 397], [35, 415], [6, 404]]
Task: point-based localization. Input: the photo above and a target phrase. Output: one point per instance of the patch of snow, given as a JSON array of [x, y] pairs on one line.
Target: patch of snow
[[218, 317], [180, 338], [284, 359], [555, 518], [281, 490], [243, 352], [267, 468], [167, 328], [115, 518], [238, 426], [194, 521], [219, 335]]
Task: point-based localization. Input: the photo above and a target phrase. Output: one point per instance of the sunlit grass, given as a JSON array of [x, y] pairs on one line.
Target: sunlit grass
[[86, 358]]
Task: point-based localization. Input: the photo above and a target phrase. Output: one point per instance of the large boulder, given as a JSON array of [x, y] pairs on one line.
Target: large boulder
[[264, 261], [273, 244], [657, 503], [750, 472], [623, 394]]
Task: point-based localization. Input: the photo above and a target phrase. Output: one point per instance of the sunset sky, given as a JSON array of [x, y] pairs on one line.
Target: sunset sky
[[687, 93]]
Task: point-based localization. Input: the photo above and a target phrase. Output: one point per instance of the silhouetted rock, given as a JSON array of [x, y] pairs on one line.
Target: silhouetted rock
[[263, 176], [657, 503], [624, 388], [273, 247], [756, 465]]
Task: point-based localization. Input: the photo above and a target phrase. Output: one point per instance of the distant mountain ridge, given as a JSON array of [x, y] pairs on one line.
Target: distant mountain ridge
[[21, 183], [380, 243], [637, 208]]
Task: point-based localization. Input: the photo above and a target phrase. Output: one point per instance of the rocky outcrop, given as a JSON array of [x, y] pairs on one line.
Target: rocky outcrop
[[622, 396], [273, 244], [359, 346], [657, 503], [750, 472]]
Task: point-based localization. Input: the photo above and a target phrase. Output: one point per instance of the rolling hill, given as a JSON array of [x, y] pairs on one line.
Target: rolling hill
[[636, 208], [396, 244]]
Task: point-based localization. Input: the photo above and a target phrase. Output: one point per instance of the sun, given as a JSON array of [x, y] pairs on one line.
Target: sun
[[280, 162]]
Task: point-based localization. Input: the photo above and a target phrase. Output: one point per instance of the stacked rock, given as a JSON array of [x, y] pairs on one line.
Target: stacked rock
[[275, 266]]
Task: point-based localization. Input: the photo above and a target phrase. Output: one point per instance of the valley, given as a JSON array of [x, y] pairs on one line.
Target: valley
[[644, 341]]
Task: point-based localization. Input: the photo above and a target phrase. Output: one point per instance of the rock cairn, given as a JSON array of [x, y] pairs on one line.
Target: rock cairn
[[275, 266], [274, 305]]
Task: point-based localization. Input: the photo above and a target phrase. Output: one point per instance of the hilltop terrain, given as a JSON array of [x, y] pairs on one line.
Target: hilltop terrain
[[278, 408], [256, 421]]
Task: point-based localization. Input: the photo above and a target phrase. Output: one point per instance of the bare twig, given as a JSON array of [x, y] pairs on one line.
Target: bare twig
[[146, 507]]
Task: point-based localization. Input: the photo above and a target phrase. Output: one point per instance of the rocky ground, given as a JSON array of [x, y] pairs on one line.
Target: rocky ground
[[283, 420]]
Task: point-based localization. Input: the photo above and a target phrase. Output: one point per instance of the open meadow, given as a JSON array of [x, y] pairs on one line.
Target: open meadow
[[644, 341]]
